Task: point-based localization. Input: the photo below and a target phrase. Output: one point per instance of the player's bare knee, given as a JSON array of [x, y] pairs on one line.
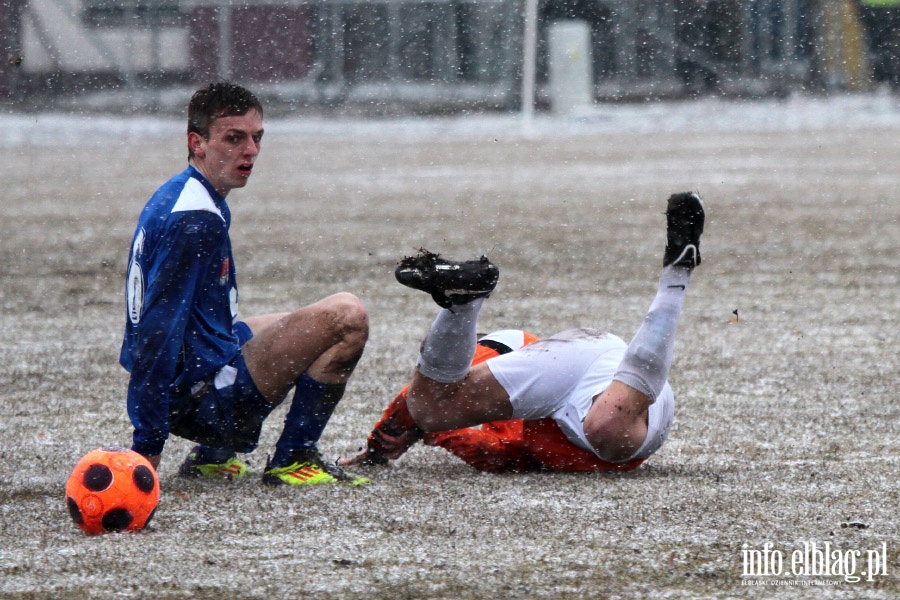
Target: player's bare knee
[[349, 318]]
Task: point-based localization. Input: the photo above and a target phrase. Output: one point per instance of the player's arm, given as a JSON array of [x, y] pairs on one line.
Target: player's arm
[[170, 294]]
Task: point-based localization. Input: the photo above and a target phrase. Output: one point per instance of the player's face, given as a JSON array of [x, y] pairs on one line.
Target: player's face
[[226, 159]]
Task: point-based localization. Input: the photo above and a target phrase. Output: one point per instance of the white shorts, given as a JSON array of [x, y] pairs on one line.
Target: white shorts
[[559, 377]]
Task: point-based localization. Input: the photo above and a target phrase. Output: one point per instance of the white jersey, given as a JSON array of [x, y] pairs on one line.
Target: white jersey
[[559, 377]]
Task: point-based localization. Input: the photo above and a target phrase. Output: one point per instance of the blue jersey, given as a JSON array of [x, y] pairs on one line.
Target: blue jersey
[[181, 302]]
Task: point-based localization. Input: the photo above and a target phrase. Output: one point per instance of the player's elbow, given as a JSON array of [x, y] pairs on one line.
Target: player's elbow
[[426, 414], [612, 440], [425, 420]]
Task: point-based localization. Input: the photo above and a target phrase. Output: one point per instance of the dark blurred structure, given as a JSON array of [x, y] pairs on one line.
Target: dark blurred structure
[[10, 40], [881, 19], [429, 55]]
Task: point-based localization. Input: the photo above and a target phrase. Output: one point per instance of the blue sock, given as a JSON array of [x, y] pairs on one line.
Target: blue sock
[[207, 455], [310, 410]]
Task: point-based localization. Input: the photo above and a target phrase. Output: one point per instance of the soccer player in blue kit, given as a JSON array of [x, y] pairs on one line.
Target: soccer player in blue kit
[[199, 371]]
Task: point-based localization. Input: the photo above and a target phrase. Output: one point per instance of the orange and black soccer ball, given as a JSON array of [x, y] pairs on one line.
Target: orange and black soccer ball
[[112, 489]]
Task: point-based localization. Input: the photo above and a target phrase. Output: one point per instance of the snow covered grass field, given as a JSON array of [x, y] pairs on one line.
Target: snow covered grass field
[[787, 421]]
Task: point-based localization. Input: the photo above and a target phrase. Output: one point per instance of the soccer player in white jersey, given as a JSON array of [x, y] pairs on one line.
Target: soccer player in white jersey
[[198, 370], [608, 398]]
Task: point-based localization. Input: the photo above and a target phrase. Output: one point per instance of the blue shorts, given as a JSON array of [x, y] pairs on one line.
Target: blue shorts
[[225, 411]]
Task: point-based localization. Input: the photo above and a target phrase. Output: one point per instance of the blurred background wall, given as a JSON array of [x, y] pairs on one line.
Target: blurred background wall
[[422, 55]]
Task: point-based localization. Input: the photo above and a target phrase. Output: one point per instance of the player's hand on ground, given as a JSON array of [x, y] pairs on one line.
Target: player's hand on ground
[[360, 458], [394, 446], [390, 447]]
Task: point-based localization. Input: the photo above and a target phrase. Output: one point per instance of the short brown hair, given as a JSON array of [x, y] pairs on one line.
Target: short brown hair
[[217, 100]]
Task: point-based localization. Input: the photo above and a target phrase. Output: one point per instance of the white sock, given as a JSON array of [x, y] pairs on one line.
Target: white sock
[[645, 366], [447, 350]]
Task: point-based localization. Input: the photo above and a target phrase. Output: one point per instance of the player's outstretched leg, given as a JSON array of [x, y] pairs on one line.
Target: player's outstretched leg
[[616, 424], [646, 363], [460, 289], [444, 394]]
